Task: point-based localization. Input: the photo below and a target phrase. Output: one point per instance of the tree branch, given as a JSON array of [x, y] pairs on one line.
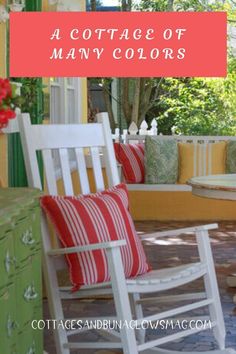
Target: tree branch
[[136, 100], [109, 108], [93, 4], [125, 99]]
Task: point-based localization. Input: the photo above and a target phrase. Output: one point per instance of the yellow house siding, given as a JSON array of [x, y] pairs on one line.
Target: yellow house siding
[[47, 7], [84, 100], [3, 50], [3, 161]]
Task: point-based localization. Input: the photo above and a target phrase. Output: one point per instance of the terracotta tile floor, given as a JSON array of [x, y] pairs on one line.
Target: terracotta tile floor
[[168, 252]]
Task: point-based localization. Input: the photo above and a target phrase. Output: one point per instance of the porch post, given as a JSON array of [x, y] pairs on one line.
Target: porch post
[[16, 168]]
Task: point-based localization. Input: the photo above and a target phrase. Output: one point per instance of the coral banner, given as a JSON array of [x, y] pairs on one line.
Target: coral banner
[[118, 44]]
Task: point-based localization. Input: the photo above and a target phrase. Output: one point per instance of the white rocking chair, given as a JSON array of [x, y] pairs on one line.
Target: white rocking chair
[[46, 138]]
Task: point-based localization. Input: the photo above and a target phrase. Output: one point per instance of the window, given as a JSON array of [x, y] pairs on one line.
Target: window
[[65, 107], [65, 100]]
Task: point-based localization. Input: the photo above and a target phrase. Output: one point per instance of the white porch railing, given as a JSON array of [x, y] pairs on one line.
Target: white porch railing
[[134, 130]]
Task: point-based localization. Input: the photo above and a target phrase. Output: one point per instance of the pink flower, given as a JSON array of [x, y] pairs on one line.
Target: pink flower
[[6, 112], [5, 115], [3, 119], [5, 89]]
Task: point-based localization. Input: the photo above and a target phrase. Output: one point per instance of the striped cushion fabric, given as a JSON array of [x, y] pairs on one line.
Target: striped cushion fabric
[[95, 218], [131, 157], [201, 159]]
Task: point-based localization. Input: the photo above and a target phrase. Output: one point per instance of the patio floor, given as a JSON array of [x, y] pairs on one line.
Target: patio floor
[[165, 253]]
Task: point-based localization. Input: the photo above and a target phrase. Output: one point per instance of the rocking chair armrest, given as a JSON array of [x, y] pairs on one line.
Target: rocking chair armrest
[[178, 232], [92, 247]]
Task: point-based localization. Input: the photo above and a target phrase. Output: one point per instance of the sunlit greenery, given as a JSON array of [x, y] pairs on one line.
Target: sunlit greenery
[[195, 105]]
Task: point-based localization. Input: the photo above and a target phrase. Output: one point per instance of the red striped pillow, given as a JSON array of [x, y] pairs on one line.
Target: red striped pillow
[[131, 157], [94, 218]]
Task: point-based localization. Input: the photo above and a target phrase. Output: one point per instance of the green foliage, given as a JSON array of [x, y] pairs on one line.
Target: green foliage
[[187, 5], [31, 97], [152, 5], [197, 106]]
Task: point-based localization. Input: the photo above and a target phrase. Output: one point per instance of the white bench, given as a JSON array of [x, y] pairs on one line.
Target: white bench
[[157, 201], [130, 138]]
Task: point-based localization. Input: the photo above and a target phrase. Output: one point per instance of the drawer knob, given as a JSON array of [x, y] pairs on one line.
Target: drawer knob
[[27, 237], [30, 293], [31, 350], [11, 325], [9, 261]]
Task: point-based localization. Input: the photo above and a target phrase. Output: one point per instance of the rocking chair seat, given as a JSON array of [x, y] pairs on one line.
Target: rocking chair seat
[[149, 282], [166, 278]]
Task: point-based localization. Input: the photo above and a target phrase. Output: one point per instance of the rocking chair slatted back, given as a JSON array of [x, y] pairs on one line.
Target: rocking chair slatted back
[[66, 174], [54, 139], [96, 162], [82, 171], [49, 172]]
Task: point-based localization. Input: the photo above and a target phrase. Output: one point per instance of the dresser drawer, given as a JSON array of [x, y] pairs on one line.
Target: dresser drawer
[[7, 259], [26, 343], [25, 241], [28, 293], [8, 322], [20, 271], [35, 223]]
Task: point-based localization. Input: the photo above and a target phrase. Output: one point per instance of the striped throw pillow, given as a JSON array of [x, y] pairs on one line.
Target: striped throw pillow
[[95, 218], [201, 160], [131, 157]]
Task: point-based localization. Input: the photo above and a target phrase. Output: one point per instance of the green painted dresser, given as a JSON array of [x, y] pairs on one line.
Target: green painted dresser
[[20, 271]]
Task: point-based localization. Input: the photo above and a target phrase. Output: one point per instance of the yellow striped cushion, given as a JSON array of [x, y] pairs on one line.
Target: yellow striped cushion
[[201, 160]]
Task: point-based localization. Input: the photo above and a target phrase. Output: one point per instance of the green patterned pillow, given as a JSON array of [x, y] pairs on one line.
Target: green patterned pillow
[[231, 157], [161, 160]]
